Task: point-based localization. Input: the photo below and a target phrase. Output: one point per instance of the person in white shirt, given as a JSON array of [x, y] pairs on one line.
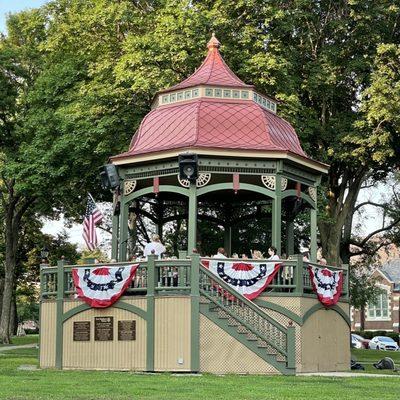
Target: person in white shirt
[[272, 253], [154, 247], [221, 253]]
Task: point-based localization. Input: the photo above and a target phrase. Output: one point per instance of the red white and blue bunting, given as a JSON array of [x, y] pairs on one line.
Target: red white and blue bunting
[[326, 284], [247, 278], [100, 287]]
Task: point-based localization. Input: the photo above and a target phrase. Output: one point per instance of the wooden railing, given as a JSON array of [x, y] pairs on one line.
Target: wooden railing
[[171, 276]]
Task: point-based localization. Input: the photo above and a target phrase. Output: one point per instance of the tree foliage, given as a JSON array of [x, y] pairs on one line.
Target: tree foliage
[[77, 77]]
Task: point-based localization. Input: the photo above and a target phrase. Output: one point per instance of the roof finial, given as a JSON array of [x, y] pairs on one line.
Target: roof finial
[[213, 43]]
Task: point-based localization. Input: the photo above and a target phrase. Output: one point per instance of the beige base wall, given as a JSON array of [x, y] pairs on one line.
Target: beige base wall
[[322, 343], [172, 334], [325, 343], [100, 355], [220, 353], [47, 342]]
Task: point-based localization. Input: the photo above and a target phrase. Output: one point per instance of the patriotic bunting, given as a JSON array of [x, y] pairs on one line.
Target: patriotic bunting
[[101, 287], [326, 284], [247, 278]]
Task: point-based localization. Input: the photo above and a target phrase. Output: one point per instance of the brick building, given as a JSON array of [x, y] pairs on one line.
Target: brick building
[[384, 313]]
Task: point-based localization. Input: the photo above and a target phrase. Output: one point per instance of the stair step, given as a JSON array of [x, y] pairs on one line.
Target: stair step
[[233, 322], [262, 344], [242, 329]]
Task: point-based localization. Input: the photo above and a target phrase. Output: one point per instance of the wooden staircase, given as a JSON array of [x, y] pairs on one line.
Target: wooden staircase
[[247, 323]]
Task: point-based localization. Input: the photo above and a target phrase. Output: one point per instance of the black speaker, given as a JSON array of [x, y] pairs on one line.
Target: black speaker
[[188, 167], [109, 176]]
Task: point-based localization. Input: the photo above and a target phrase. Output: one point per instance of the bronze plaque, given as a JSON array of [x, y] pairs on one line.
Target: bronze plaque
[[103, 328], [127, 330], [81, 331]]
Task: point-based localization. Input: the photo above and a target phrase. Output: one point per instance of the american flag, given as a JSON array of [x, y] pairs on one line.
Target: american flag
[[93, 216]]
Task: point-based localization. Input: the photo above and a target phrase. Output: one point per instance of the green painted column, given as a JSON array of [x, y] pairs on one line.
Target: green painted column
[[151, 284], [194, 314], [291, 347], [298, 276], [59, 314], [277, 215], [290, 237], [123, 226], [313, 237], [115, 237], [192, 218], [228, 240]]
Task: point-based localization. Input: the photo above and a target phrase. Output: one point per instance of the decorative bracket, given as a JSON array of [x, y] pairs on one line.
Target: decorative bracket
[[129, 186], [203, 179], [312, 191], [269, 181]]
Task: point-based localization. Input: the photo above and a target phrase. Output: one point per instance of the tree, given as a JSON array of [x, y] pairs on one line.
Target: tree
[[60, 113], [78, 76]]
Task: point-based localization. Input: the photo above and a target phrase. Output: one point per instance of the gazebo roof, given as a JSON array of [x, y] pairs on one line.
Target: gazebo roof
[[214, 112], [213, 71]]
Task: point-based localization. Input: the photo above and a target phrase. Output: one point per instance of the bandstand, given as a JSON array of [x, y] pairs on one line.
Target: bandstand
[[245, 152]]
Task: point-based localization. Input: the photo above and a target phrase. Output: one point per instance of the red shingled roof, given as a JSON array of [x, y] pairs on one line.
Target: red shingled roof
[[214, 123], [213, 71]]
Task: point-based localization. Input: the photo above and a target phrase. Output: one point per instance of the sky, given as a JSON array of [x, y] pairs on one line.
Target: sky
[[371, 220], [10, 6]]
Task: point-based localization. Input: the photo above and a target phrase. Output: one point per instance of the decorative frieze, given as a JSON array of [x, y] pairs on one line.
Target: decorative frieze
[[217, 92]]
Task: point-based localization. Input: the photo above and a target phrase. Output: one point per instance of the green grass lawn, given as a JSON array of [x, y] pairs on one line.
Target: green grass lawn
[[18, 384], [368, 357], [20, 340]]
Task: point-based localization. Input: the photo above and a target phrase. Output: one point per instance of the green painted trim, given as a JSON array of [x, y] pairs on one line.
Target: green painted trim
[[229, 186], [298, 274], [123, 237], [120, 304], [291, 347], [59, 314], [194, 314], [319, 306], [282, 310], [162, 188], [277, 215], [115, 237], [313, 236], [151, 283], [192, 218], [251, 345], [293, 192]]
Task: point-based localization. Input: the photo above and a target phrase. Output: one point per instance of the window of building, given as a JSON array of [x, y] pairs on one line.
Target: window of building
[[380, 308]]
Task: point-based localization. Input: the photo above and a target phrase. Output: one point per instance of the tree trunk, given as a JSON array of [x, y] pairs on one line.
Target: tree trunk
[[13, 317], [362, 318], [1, 293], [342, 198], [13, 214], [9, 284]]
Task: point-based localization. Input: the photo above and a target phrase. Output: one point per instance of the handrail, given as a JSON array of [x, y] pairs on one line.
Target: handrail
[[245, 324], [313, 264], [236, 294]]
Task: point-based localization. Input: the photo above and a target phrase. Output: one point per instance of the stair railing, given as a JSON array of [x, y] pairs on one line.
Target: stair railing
[[247, 313]]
